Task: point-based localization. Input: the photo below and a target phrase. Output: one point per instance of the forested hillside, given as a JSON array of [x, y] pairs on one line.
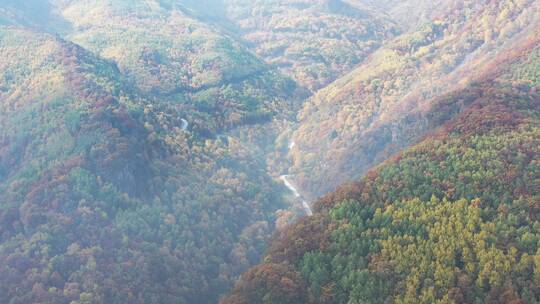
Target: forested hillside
[[119, 180], [149, 150], [107, 196], [313, 41], [454, 219], [410, 14], [375, 111]]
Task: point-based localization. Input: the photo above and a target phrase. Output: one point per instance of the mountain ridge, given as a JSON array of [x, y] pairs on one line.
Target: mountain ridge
[[373, 94], [150, 149], [452, 168]]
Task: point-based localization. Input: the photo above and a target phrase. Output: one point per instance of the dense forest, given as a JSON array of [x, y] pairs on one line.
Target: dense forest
[[375, 111], [313, 41], [107, 195], [164, 151], [453, 219], [120, 179]]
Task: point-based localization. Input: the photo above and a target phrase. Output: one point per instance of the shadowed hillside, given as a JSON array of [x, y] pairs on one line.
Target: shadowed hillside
[[107, 196]]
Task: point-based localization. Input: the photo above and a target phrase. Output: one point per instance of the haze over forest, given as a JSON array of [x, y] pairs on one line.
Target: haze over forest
[[269, 151]]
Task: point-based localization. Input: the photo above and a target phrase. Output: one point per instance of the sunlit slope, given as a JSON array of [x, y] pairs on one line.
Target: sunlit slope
[[409, 14], [162, 50], [106, 196], [453, 219], [168, 53], [364, 117], [314, 42]]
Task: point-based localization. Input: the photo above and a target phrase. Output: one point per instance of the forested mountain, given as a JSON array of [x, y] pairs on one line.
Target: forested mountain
[[107, 196], [149, 149], [313, 41], [119, 181], [410, 14], [376, 110], [453, 219]]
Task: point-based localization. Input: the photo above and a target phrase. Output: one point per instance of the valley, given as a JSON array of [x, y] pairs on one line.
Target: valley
[[287, 183], [274, 151]]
